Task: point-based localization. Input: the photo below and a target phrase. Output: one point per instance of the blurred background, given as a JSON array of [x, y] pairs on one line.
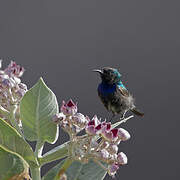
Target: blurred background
[[62, 41]]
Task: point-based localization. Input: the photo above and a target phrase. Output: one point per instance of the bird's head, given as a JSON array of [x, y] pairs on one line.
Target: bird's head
[[109, 75]]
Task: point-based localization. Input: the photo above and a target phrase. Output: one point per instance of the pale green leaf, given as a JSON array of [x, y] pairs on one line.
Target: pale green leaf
[[37, 108], [11, 165], [13, 141], [78, 171]]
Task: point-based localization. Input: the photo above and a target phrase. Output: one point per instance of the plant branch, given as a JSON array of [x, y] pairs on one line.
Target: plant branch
[[35, 173], [122, 121], [59, 152]]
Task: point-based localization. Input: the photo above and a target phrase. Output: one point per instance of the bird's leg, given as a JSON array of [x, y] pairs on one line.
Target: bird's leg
[[123, 115]]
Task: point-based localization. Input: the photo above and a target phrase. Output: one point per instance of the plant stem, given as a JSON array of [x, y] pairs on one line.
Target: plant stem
[[122, 121], [126, 119], [59, 152], [39, 148], [35, 173]]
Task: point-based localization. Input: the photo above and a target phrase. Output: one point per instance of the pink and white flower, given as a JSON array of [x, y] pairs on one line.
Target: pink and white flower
[[112, 169], [110, 134], [122, 158], [94, 126], [69, 108], [80, 120], [123, 134], [14, 70]]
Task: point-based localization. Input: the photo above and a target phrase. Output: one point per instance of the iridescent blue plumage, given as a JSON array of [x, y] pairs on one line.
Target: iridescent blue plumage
[[121, 85], [106, 89], [114, 94]]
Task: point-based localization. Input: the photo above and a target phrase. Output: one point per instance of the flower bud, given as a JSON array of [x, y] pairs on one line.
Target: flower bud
[[104, 154], [69, 108], [14, 70], [90, 129], [122, 158], [6, 83], [94, 126], [96, 120], [57, 118], [113, 149], [79, 120], [123, 134], [105, 145], [20, 93], [22, 86], [112, 169], [3, 76], [111, 135]]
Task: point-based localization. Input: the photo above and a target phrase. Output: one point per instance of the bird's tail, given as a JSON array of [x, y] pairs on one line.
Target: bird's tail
[[137, 112]]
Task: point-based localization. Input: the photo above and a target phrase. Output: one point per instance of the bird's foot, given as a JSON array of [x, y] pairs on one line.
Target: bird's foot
[[123, 119]]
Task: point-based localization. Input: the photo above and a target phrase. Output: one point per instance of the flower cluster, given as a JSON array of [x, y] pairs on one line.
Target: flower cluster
[[11, 88], [100, 142]]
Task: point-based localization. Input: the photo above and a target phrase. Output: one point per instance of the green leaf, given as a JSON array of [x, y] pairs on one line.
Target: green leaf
[[78, 171], [11, 164], [37, 108], [13, 141]]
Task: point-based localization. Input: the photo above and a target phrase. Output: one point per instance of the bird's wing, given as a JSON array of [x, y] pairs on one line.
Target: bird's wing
[[123, 91]]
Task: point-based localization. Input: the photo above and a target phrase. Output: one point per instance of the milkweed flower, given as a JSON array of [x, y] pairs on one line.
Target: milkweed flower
[[112, 169], [100, 142], [11, 89], [69, 108], [122, 158]]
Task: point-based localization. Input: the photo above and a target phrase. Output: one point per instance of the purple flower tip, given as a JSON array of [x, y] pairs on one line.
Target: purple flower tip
[[114, 132], [69, 108], [91, 123], [70, 103], [98, 127], [108, 126]]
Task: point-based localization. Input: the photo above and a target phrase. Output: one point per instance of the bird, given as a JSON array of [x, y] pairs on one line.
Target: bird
[[114, 95]]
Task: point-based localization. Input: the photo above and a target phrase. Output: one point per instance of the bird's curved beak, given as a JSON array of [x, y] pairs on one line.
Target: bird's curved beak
[[97, 70]]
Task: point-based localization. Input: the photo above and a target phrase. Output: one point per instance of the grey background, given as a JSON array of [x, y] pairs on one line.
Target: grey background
[[64, 40]]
